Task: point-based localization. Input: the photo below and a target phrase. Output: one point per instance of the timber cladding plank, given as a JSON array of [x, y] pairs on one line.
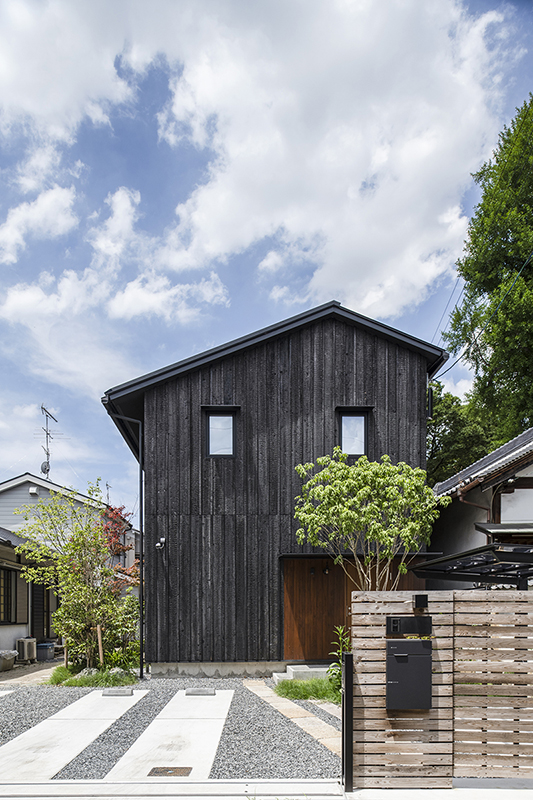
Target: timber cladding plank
[[493, 684], [395, 749]]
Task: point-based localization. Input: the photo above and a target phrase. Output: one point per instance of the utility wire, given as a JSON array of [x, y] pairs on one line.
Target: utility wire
[[446, 309], [443, 331], [471, 344], [484, 328]]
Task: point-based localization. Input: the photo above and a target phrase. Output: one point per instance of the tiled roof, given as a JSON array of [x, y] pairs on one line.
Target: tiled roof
[[513, 453]]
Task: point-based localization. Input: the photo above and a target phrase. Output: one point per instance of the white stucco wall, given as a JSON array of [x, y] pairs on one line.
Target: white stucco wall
[[518, 506], [9, 635]]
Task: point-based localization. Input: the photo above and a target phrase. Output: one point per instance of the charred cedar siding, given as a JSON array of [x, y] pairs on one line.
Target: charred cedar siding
[[215, 592]]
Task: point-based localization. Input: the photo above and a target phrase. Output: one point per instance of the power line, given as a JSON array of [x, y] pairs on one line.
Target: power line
[[446, 309], [507, 159], [484, 328]]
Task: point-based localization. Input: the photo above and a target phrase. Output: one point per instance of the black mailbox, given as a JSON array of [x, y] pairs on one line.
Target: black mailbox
[[419, 625], [408, 674]]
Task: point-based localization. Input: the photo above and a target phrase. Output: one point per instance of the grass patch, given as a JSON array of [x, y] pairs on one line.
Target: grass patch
[[313, 689], [68, 676]]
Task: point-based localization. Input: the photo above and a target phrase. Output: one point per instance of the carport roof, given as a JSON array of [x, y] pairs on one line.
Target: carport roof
[[492, 563]]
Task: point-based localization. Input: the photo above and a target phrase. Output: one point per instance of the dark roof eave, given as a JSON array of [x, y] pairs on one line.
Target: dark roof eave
[[436, 356]]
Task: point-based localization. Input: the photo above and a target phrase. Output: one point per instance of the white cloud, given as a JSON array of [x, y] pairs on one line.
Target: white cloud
[[41, 163], [354, 127], [343, 136], [47, 217], [112, 240], [458, 386], [154, 295], [350, 130]]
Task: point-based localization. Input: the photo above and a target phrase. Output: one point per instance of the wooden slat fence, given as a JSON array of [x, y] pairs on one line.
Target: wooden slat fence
[[481, 720], [394, 749], [493, 684]]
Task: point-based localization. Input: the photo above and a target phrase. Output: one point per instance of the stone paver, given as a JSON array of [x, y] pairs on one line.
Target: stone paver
[[326, 734]]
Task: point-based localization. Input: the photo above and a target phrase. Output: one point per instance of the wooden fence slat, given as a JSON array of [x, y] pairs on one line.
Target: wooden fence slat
[[482, 693]]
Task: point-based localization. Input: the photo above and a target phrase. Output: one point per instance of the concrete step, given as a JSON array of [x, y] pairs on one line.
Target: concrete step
[[301, 672]]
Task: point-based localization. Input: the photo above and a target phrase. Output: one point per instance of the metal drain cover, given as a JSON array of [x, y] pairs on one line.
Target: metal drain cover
[[177, 772], [201, 690]]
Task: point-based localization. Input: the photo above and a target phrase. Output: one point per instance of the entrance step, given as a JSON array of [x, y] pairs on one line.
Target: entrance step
[[301, 672]]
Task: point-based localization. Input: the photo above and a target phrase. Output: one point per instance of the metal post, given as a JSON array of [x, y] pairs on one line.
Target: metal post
[[347, 721], [141, 538]]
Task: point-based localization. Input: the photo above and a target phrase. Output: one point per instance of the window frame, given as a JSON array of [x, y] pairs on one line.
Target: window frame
[[8, 587], [219, 411], [354, 411]]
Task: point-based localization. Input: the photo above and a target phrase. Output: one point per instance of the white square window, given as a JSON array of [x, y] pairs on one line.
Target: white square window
[[353, 434], [220, 435]]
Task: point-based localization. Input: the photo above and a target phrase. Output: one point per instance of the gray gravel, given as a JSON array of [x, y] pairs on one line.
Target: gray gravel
[[257, 741], [29, 705]]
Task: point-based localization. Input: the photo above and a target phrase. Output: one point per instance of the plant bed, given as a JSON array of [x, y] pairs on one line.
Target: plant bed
[[70, 676], [312, 689]]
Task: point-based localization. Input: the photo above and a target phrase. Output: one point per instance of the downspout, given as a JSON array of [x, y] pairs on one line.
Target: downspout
[[476, 505]]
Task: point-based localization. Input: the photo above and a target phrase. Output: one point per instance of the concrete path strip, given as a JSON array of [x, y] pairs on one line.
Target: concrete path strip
[[39, 753], [229, 790], [240, 790], [326, 734], [181, 740]]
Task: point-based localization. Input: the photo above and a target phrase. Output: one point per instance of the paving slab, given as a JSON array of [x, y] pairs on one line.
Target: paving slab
[[39, 753], [185, 734], [326, 734]]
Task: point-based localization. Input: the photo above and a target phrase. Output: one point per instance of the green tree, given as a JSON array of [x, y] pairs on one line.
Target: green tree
[[495, 321], [375, 510], [456, 437], [69, 547]]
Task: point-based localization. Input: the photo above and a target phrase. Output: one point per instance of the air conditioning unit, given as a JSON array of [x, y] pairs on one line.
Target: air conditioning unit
[[27, 649]]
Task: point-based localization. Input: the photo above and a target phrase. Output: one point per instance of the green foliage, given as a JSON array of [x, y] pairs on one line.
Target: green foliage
[[59, 675], [499, 242], [67, 545], [456, 436], [63, 676], [342, 644], [376, 510], [313, 689]]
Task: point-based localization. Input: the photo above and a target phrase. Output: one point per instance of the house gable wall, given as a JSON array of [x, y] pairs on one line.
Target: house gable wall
[[214, 592]]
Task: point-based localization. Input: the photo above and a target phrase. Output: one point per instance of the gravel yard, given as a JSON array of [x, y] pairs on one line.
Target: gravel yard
[[257, 741]]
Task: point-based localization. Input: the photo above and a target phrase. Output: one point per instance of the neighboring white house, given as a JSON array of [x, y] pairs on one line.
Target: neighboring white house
[[492, 501], [14, 594], [25, 610]]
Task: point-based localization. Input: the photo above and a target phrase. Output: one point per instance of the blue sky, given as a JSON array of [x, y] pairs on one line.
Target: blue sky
[[177, 174]]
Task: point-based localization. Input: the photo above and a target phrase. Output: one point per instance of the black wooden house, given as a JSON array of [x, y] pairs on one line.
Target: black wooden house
[[223, 431]]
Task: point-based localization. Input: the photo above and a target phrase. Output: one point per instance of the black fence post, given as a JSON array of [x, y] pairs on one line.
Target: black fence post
[[347, 721]]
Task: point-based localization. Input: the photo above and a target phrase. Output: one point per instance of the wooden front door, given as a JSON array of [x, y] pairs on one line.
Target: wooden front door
[[316, 599], [314, 603]]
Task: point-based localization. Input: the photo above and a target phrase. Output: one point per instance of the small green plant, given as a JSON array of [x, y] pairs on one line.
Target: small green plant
[[72, 676], [342, 644], [313, 689]]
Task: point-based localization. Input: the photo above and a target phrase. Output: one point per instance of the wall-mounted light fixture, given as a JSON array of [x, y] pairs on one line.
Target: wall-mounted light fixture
[[161, 543], [326, 571], [312, 570]]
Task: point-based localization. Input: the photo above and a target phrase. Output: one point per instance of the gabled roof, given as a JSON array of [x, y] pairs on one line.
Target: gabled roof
[[9, 539], [496, 467], [34, 480], [127, 399]]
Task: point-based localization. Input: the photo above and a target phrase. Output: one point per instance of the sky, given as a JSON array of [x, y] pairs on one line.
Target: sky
[[179, 173]]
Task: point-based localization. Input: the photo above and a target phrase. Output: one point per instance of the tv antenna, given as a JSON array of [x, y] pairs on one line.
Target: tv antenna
[[45, 466]]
